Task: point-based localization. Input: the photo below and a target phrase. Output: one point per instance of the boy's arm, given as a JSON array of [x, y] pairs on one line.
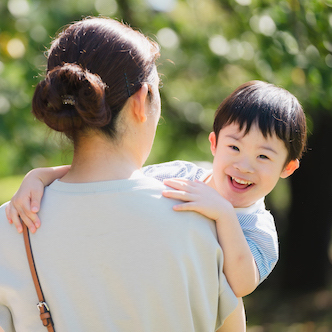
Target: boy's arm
[[26, 201], [239, 264]]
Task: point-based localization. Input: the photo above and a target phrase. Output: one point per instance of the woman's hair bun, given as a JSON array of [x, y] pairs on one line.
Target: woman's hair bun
[[71, 98]]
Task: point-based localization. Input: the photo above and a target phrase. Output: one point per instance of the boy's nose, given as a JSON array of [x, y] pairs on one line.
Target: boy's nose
[[244, 165]]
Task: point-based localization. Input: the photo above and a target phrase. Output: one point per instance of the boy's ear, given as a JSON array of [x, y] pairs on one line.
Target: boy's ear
[[138, 100], [213, 141], [290, 168]]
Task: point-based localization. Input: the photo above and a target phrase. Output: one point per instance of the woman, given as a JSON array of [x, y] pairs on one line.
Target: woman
[[112, 255]]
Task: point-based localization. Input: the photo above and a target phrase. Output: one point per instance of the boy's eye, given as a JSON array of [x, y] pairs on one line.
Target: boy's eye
[[262, 156], [233, 147]]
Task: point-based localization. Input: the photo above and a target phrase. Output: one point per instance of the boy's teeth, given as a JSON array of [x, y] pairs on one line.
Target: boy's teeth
[[241, 181]]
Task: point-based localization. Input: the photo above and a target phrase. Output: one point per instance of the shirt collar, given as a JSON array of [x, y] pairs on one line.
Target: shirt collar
[[259, 205]]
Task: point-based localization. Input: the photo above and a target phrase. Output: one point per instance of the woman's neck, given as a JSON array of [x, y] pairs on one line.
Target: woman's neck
[[97, 158]]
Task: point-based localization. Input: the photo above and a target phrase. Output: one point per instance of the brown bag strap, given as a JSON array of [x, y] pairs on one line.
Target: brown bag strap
[[44, 310]]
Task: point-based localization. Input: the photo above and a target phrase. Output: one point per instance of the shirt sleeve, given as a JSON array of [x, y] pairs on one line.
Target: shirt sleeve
[[6, 321], [227, 301], [261, 234], [174, 169]]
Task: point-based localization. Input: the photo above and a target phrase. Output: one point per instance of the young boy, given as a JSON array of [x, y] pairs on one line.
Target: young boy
[[259, 134]]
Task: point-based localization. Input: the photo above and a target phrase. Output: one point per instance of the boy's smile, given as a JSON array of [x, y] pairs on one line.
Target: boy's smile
[[239, 183], [247, 167]]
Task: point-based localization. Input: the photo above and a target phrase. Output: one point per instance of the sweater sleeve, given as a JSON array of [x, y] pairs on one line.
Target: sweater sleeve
[[261, 235], [227, 301]]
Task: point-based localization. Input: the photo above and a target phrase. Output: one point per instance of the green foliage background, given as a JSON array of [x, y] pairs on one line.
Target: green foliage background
[[218, 45], [208, 48]]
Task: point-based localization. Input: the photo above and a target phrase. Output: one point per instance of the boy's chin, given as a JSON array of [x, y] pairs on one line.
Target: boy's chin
[[238, 204]]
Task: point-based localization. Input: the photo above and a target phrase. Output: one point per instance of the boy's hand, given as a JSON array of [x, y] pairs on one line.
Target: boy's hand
[[198, 197], [239, 264], [26, 203]]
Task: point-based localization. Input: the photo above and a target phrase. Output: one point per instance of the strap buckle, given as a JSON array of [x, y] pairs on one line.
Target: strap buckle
[[43, 304]]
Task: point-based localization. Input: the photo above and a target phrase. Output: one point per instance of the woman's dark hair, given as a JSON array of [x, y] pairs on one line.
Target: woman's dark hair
[[273, 109], [94, 66]]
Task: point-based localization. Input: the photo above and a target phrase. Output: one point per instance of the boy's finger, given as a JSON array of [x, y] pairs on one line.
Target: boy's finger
[[36, 221], [27, 220], [178, 184], [177, 194], [35, 200], [30, 224], [7, 210], [21, 205], [23, 209], [190, 206], [177, 180], [17, 222]]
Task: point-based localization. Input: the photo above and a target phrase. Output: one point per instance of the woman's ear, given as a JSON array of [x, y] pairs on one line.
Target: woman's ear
[[138, 100], [213, 141], [290, 168]]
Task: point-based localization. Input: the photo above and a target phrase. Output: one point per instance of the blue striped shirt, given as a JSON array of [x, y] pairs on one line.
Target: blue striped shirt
[[256, 222]]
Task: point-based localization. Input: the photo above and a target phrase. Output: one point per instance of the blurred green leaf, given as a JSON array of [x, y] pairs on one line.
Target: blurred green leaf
[[8, 187]]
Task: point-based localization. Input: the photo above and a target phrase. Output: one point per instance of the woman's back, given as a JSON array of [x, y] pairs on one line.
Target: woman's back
[[134, 264]]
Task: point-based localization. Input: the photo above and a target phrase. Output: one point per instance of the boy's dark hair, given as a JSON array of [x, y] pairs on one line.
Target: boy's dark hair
[[273, 109]]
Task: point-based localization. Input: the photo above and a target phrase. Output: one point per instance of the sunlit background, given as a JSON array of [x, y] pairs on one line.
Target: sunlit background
[[208, 48]]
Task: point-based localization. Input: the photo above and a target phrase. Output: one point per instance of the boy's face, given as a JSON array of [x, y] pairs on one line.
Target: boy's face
[[246, 168]]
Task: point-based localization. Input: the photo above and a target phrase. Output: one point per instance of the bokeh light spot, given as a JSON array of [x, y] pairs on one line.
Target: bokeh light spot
[[4, 105], [162, 5], [298, 76], [219, 45], [243, 2], [168, 38], [266, 25], [18, 8], [38, 33], [16, 48], [107, 7]]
